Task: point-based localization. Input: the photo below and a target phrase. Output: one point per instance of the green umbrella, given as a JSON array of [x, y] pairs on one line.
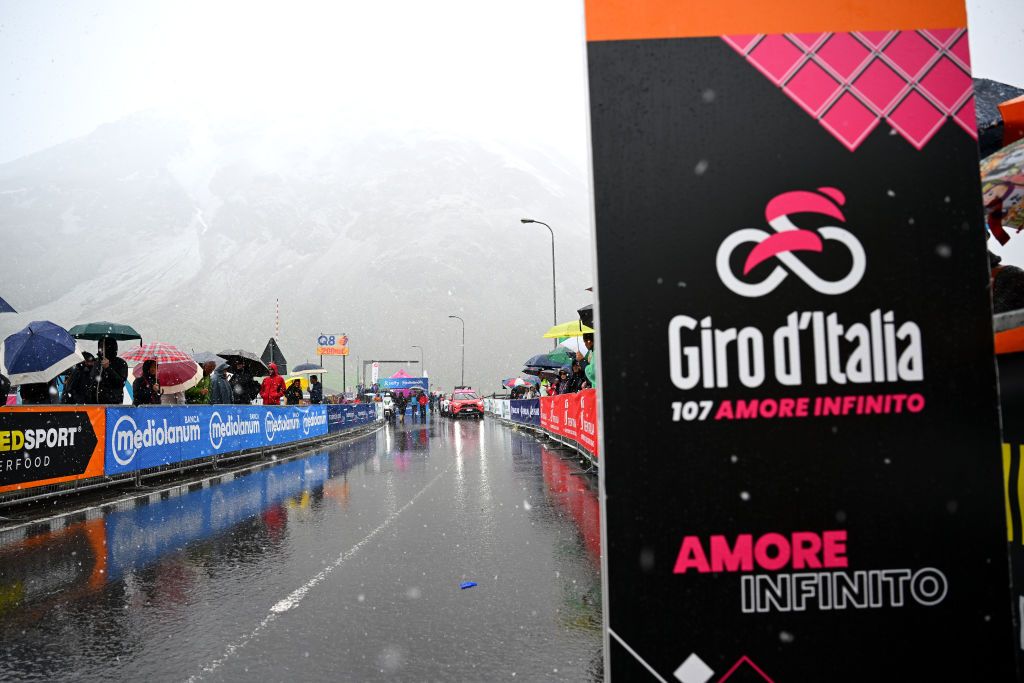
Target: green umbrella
[[562, 356], [104, 330]]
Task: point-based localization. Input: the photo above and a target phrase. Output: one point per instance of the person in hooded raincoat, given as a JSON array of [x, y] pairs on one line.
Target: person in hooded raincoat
[[220, 389], [243, 387], [273, 387], [112, 373]]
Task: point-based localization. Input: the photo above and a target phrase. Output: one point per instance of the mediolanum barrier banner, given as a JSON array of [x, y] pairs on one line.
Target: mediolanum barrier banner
[[141, 438], [44, 445], [348, 416], [810, 488]]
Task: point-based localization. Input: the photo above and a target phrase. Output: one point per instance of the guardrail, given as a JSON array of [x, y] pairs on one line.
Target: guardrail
[[570, 419], [52, 450]]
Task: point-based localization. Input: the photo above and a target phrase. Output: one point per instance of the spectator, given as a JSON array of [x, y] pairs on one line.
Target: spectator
[[243, 387], [273, 387], [316, 390], [587, 361], [1007, 285], [577, 380], [563, 382], [200, 393], [38, 393], [112, 373], [423, 400], [80, 387], [220, 389], [146, 389], [293, 395]]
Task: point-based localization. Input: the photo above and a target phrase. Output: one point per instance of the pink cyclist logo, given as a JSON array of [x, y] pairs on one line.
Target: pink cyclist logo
[[789, 239]]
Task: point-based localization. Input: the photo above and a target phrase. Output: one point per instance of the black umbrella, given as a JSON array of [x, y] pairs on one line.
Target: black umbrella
[[253, 365], [587, 315]]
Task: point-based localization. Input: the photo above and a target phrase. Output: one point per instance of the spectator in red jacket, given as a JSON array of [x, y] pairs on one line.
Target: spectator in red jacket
[[273, 387]]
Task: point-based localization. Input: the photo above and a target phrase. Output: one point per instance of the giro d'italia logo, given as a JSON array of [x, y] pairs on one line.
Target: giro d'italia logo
[[787, 239]]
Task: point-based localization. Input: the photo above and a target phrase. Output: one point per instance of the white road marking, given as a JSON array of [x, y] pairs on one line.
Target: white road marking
[[295, 597]]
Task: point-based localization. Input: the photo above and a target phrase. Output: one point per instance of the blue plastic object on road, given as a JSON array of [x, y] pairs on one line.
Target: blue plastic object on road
[[467, 584]]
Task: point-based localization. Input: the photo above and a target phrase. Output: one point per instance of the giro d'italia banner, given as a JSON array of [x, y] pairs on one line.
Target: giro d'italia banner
[[141, 438], [810, 487]]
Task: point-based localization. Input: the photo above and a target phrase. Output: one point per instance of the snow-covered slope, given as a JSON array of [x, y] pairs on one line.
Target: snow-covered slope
[[190, 232]]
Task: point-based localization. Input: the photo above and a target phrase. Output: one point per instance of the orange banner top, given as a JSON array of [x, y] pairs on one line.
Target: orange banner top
[[641, 19]]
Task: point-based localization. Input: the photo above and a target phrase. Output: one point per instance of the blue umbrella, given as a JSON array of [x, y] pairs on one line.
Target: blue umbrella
[[543, 360], [39, 353], [6, 307]]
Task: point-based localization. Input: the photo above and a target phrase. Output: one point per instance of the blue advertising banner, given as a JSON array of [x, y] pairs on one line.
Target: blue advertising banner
[[526, 411], [349, 416], [141, 438], [140, 536], [392, 383]]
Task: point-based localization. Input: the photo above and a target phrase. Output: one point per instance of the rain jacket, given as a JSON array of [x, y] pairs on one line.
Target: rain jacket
[[195, 395], [80, 387], [293, 395], [111, 380], [220, 390], [273, 387], [316, 392], [243, 387], [143, 391]]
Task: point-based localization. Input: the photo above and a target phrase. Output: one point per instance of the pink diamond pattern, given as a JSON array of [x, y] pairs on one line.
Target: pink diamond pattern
[[947, 83], [849, 82], [849, 120], [812, 88], [916, 119], [844, 54], [879, 85], [909, 51], [776, 56]]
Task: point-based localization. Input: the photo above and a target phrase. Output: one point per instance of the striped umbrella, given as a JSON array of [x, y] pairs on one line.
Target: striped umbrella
[[176, 376], [158, 351]]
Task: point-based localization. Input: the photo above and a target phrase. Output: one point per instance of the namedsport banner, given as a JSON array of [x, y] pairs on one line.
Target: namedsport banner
[[49, 445], [809, 489], [141, 438]]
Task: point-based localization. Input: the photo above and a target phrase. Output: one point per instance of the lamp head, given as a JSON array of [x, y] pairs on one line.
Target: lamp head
[[527, 220]]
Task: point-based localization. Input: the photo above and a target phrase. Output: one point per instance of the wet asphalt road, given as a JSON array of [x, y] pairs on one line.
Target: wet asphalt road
[[343, 565]]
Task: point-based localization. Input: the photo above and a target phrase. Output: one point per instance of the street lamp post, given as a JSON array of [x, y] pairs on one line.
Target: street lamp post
[[463, 382], [554, 294], [422, 363]]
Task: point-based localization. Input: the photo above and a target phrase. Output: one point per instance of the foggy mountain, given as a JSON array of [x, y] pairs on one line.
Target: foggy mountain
[[189, 231]]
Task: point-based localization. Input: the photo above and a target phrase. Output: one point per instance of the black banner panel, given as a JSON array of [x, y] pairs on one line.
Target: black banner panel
[[801, 458]]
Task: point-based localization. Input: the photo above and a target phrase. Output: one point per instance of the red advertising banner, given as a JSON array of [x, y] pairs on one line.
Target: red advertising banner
[[588, 420], [569, 405], [549, 416]]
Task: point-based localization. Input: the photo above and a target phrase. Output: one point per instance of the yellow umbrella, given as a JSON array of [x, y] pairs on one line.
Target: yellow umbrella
[[303, 381], [574, 328]]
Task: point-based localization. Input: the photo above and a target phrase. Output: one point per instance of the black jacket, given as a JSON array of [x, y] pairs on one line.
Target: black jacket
[[243, 387], [111, 380], [220, 389], [80, 387], [292, 396], [143, 391], [316, 392], [37, 393]]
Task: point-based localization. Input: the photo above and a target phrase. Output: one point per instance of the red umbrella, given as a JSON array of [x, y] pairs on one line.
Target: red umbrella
[[158, 351], [175, 377]]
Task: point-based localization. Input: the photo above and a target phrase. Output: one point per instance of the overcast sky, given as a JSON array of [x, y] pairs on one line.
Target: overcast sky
[[513, 70]]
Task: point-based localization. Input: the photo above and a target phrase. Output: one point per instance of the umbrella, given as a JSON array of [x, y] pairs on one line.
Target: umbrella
[[519, 382], [38, 353], [573, 328], [573, 345], [1002, 188], [562, 356], [252, 362], [6, 307], [587, 314], [544, 361], [175, 377], [104, 330], [307, 369], [158, 351], [205, 357]]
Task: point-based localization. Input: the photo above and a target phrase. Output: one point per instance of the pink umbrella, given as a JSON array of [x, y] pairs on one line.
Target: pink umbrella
[[175, 377], [158, 351]]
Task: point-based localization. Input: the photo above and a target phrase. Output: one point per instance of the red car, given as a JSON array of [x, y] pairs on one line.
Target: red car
[[466, 403]]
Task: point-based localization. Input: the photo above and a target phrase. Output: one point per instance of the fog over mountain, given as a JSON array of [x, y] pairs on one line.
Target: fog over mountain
[[189, 230]]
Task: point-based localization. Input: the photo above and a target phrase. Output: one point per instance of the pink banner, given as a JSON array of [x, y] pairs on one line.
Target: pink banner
[[569, 407]]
